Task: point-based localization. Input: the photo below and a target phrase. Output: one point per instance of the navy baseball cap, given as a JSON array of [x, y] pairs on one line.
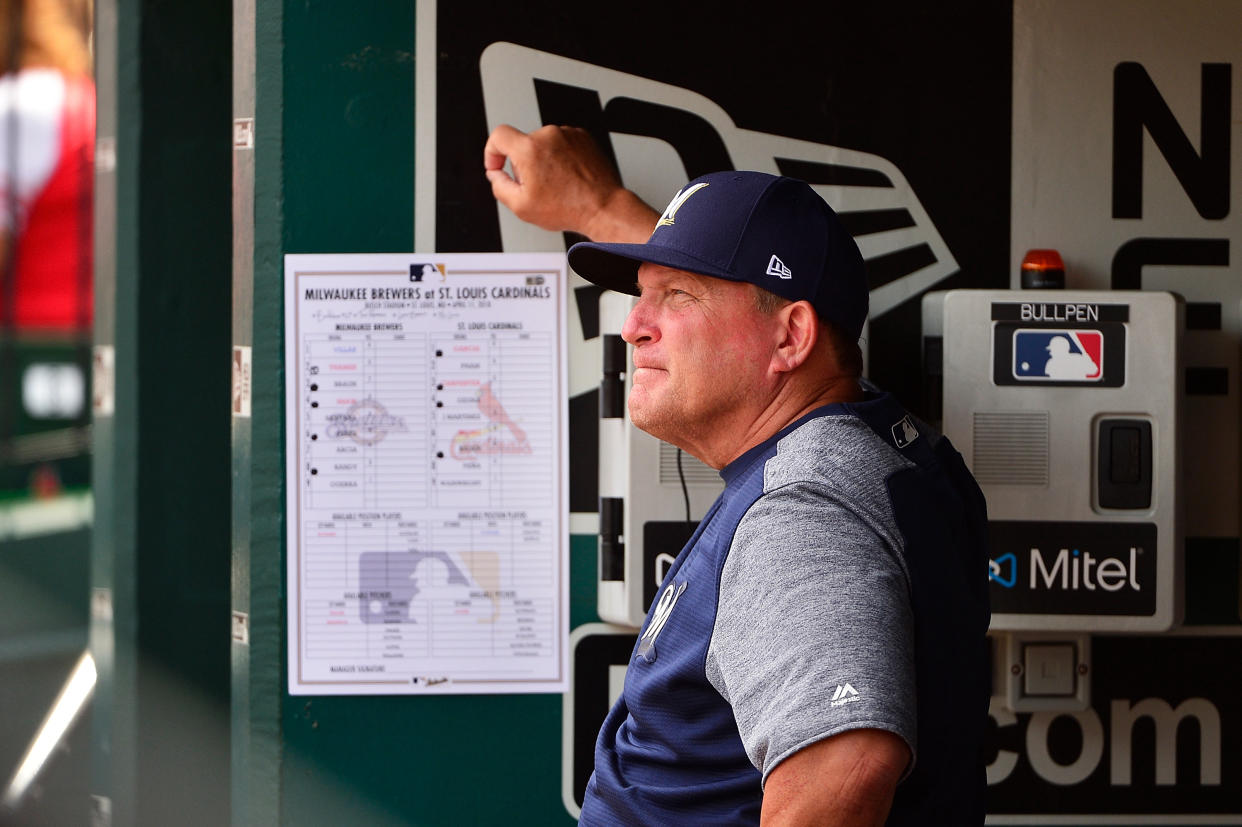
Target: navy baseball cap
[[772, 231]]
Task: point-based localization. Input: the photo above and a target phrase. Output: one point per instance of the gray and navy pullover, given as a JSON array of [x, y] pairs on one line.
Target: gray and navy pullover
[[839, 582]]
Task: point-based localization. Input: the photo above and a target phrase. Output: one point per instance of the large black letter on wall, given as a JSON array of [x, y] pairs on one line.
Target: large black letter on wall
[[1128, 264], [1203, 175], [696, 141]]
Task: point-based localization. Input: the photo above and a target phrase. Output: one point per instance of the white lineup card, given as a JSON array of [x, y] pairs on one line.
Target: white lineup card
[[426, 452]]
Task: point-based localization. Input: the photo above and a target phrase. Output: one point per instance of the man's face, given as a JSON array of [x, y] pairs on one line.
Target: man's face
[[701, 353]]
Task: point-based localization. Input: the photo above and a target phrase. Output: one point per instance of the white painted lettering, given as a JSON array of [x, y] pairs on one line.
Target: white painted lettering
[[1084, 570], [1087, 562], [1037, 566], [1041, 759], [1123, 717], [1167, 720], [1111, 574], [1006, 759]]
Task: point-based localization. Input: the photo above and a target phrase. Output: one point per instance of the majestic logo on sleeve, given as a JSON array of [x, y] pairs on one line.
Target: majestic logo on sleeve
[[659, 617], [670, 212], [845, 695]]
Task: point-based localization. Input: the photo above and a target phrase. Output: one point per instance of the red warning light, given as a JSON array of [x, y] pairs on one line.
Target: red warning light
[[1043, 270]]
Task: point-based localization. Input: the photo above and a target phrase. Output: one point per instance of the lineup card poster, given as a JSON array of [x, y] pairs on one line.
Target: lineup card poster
[[426, 450]]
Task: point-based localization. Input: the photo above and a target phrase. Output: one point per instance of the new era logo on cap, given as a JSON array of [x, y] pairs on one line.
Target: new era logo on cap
[[776, 267]]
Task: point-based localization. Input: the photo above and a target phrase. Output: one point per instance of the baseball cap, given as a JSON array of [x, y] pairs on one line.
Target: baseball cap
[[772, 231]]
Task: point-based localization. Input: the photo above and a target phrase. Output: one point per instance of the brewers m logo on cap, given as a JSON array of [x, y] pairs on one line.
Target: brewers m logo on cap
[[670, 212]]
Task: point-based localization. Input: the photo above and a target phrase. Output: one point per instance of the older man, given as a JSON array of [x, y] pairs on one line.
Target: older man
[[817, 651]]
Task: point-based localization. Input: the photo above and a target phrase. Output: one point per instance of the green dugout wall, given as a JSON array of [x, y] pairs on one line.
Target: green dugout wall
[[332, 170], [184, 731], [159, 547]]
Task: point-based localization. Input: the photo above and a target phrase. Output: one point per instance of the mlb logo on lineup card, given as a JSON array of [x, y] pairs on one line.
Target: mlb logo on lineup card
[[1066, 355]]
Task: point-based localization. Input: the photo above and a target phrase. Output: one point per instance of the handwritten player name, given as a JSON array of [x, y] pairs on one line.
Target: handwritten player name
[[467, 444], [482, 441], [365, 313], [366, 423]]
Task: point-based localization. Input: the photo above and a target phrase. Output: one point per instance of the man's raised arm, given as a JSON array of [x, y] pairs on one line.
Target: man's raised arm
[[561, 181]]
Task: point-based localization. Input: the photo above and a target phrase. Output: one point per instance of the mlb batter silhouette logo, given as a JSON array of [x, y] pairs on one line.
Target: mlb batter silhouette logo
[[1069, 355]]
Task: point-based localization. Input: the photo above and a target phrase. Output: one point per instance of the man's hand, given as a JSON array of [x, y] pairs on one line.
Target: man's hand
[[848, 779], [561, 181]]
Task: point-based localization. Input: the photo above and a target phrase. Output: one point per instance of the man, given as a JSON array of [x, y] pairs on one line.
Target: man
[[47, 103], [817, 651]]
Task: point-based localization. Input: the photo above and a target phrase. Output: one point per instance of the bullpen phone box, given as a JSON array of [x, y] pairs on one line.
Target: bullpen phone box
[[1066, 407]]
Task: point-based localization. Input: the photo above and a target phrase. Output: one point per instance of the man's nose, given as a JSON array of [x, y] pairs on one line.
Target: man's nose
[[639, 327]]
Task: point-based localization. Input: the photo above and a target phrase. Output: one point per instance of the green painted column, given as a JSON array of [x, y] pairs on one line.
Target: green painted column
[[160, 552], [257, 490], [332, 170], [113, 627]]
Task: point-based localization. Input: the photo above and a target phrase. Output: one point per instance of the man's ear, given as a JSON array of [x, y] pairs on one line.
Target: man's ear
[[798, 332]]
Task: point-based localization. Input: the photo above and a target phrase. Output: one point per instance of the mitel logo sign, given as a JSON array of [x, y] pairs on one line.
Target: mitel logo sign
[[1004, 570], [1066, 568], [1075, 569]]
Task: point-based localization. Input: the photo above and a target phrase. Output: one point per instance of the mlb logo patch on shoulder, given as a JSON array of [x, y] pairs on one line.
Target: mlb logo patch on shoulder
[[904, 432], [1060, 355]]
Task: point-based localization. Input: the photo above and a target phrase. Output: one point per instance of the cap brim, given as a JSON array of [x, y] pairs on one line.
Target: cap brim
[[615, 266]]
